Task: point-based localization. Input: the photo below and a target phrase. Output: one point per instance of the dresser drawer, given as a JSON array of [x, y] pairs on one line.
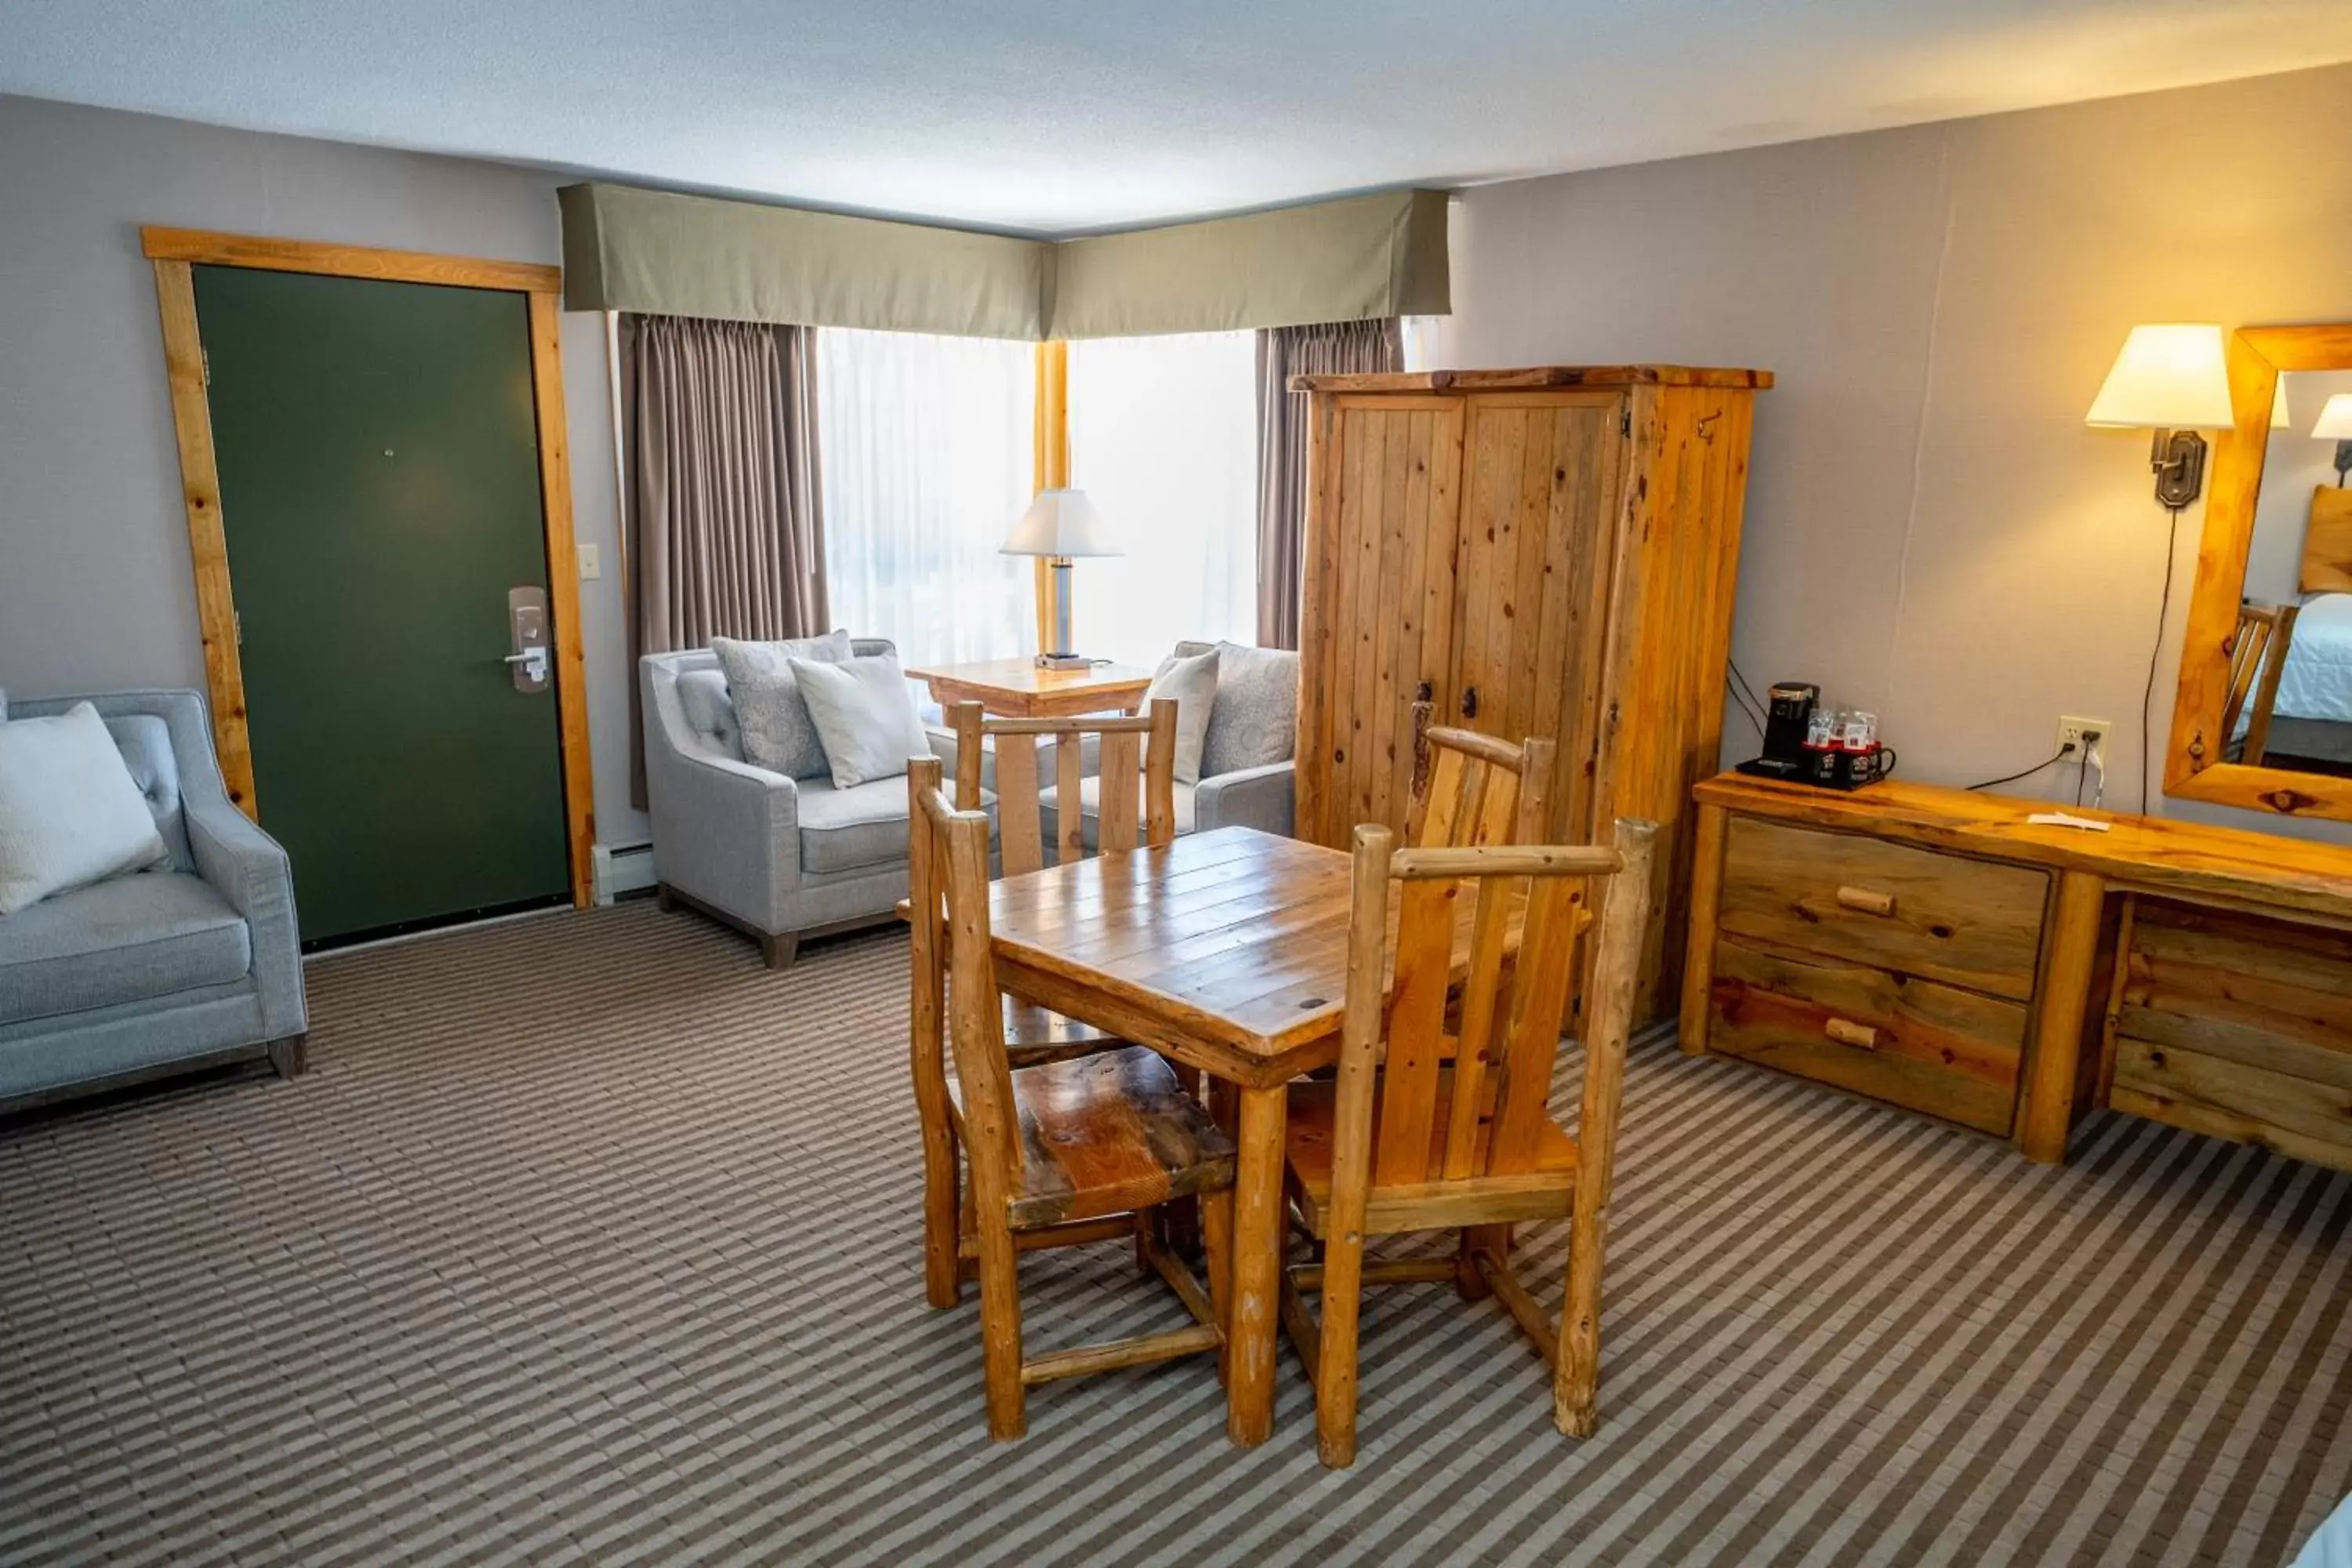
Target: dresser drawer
[[2239, 1026], [1944, 917], [1908, 1041]]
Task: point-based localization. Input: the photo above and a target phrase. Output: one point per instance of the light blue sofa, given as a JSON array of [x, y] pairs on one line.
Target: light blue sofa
[[190, 964]]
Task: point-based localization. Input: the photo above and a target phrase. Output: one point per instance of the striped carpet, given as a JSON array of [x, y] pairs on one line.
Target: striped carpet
[[588, 1239]]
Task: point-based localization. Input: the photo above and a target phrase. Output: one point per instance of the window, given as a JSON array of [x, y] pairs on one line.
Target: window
[[1425, 342], [925, 447], [1163, 439]]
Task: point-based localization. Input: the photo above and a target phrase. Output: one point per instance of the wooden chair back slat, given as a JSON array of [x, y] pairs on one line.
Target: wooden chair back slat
[[1021, 844], [1414, 1053], [1122, 779], [1137, 779], [1539, 1001], [1481, 991]]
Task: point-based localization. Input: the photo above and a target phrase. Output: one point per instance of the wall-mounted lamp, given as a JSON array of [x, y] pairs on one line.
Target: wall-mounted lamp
[[2169, 378], [2335, 421]]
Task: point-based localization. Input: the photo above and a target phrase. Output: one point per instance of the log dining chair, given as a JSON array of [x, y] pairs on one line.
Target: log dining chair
[[1136, 773], [1406, 1140], [1085, 1147], [1471, 789]]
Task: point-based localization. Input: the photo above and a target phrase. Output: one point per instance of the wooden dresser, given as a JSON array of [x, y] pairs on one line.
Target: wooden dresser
[[1549, 553], [1932, 949]]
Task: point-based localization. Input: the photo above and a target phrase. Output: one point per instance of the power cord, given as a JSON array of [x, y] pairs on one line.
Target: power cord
[[2163, 613], [1744, 696], [2064, 752]]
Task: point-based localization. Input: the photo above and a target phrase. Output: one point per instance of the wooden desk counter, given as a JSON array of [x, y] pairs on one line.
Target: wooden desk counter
[[1932, 947]]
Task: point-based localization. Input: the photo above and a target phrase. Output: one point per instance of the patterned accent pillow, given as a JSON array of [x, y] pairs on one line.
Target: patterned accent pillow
[[1255, 719], [777, 734]]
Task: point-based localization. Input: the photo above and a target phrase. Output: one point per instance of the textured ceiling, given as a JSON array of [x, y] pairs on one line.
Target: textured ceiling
[[1049, 115]]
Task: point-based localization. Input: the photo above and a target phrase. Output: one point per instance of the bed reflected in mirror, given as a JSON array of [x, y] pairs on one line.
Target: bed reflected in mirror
[[2290, 689]]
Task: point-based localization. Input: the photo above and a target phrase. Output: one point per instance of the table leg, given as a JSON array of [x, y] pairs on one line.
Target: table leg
[[1256, 1266]]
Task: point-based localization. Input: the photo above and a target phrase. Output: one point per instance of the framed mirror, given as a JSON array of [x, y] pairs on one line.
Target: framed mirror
[[2263, 717]]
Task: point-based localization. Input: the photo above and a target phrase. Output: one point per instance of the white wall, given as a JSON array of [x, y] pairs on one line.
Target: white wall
[[1932, 532], [94, 577]]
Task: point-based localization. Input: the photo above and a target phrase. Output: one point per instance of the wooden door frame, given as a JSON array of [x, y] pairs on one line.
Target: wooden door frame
[[175, 253]]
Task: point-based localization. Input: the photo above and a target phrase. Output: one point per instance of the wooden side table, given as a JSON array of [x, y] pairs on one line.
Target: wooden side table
[[1017, 689]]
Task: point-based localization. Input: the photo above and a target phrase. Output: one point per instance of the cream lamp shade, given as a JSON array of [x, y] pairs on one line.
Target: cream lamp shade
[[1060, 523], [2334, 419], [2169, 376]]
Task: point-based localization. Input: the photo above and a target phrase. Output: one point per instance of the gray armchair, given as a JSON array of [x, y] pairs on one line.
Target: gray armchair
[[777, 858], [1247, 773], [190, 964]]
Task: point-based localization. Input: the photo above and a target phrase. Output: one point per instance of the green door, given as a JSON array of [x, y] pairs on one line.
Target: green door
[[379, 471]]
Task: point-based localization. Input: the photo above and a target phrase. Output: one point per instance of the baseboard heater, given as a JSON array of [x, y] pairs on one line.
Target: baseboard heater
[[623, 870]]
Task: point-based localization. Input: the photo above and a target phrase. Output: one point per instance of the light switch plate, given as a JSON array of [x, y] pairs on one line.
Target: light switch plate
[[592, 566]]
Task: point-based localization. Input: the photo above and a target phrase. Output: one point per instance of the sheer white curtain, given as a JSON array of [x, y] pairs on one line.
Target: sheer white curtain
[[1163, 438], [925, 451], [1425, 342]]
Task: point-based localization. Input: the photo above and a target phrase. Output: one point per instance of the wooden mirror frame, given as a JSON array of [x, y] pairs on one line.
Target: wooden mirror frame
[[2194, 765]]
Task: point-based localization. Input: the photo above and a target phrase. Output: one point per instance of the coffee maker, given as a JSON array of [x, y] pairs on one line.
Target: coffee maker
[[1785, 726]]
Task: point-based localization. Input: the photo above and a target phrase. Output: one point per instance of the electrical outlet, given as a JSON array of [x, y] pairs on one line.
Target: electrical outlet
[[2084, 736]]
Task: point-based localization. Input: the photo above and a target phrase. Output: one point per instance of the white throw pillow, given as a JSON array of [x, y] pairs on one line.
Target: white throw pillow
[[70, 813], [1192, 683], [864, 717], [770, 716]]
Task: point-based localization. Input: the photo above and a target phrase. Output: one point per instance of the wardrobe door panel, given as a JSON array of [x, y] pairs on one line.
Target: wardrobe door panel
[[1541, 479], [1380, 602]]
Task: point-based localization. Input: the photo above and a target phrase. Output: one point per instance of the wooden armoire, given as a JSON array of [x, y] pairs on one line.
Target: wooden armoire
[[1548, 552]]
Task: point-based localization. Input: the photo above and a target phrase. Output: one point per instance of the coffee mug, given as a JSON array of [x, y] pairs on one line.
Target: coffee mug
[[1855, 768]]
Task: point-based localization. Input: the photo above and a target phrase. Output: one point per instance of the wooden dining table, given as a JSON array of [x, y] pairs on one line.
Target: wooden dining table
[[1228, 952]]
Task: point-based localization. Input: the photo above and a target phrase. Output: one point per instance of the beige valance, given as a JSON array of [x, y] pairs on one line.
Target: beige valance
[[658, 252], [1348, 260], [661, 254]]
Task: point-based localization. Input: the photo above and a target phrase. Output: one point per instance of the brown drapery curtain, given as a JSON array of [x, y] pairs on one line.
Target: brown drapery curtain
[[725, 525], [1327, 348]]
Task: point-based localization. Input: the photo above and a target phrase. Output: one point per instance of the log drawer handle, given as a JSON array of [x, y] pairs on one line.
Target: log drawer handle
[[1866, 900], [1852, 1034]]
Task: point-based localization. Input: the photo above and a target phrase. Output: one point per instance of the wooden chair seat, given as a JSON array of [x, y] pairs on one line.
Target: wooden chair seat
[[1546, 1191], [1109, 1133]]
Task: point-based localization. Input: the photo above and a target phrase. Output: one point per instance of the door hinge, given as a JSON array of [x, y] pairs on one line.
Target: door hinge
[[1626, 420], [204, 364], [236, 626]]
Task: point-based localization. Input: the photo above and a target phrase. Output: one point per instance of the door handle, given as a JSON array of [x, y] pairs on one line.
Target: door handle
[[529, 661], [1470, 703]]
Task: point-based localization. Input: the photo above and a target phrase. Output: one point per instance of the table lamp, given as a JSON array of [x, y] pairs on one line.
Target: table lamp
[[2336, 420], [1059, 524], [2170, 378]]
